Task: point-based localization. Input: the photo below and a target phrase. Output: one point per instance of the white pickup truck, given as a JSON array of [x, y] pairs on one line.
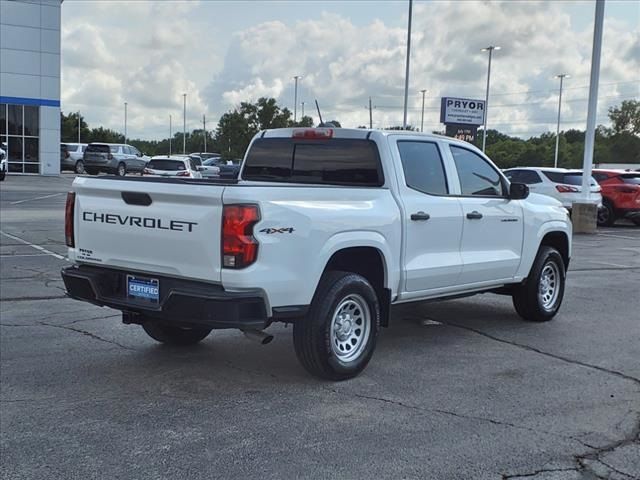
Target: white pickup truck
[[324, 229]]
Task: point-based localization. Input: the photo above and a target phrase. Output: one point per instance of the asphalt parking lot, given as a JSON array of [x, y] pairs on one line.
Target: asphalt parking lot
[[461, 389]]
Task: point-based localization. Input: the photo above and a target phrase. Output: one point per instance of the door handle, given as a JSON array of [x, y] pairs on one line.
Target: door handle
[[475, 215], [420, 216]]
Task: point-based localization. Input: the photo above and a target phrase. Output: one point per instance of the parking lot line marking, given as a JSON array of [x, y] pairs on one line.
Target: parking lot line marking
[[37, 247], [609, 264], [8, 255], [38, 198], [616, 236]]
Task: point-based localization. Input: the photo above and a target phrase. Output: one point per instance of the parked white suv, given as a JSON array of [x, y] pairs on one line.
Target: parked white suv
[[180, 166], [324, 229], [4, 166], [562, 184]]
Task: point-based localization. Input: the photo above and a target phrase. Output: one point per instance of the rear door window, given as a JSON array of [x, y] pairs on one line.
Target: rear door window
[[423, 168], [332, 162], [633, 179]]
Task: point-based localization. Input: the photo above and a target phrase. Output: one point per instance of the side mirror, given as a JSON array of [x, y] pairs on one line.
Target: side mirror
[[518, 191]]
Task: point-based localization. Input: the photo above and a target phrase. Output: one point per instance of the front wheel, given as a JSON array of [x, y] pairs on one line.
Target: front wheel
[[79, 168], [337, 338], [540, 297], [174, 335], [606, 214], [121, 171]]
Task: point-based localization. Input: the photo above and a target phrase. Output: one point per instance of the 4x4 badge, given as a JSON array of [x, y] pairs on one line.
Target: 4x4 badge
[[269, 231]]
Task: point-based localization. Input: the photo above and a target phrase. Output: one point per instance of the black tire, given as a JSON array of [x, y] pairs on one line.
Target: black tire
[[174, 335], [527, 299], [79, 168], [636, 221], [2, 175], [91, 171], [121, 169], [316, 343], [606, 215]]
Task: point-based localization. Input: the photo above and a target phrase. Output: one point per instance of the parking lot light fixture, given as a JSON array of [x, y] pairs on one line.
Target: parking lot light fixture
[[561, 76], [489, 49], [125, 122], [406, 73], [184, 124]]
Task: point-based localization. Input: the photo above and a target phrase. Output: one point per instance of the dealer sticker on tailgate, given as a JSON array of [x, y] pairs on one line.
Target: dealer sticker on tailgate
[[141, 288]]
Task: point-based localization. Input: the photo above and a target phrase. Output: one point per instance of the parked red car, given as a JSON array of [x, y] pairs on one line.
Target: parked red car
[[620, 196]]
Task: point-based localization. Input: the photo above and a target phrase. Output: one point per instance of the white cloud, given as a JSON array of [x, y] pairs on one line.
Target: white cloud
[[159, 50]]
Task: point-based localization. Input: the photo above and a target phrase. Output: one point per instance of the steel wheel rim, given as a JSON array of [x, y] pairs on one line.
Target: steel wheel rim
[[80, 167], [549, 285], [350, 328], [121, 170]]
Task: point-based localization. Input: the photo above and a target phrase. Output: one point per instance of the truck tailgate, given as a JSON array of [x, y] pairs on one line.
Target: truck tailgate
[[143, 226]]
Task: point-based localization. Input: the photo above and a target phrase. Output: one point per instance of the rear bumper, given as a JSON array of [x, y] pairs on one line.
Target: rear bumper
[[181, 301]]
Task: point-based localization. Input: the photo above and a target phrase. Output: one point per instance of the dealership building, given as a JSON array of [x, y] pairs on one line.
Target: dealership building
[[30, 85]]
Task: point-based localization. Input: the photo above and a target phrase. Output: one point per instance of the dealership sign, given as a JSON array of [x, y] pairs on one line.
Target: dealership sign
[[464, 111]]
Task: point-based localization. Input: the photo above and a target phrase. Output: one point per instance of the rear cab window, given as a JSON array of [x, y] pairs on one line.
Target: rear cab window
[[336, 161]]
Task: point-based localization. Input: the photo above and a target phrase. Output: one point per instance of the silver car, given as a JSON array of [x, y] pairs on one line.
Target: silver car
[[71, 157], [116, 158]]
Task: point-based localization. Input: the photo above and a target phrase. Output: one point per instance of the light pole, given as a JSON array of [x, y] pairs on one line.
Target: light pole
[[125, 122], [170, 135], [562, 76], [406, 74], [204, 131], [422, 118], [302, 104], [184, 124], [79, 126], [489, 49], [295, 98]]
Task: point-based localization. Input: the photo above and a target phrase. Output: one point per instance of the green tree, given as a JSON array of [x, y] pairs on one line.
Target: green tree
[[626, 117], [69, 128]]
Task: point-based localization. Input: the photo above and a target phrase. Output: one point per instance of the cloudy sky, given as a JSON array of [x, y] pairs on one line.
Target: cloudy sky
[[148, 53]]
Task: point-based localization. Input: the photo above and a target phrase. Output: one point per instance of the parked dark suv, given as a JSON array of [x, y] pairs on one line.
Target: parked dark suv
[[113, 158]]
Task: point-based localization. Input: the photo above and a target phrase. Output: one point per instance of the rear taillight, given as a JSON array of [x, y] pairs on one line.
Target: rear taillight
[[68, 219], [66, 155], [239, 247], [146, 171], [183, 173], [110, 157], [566, 189]]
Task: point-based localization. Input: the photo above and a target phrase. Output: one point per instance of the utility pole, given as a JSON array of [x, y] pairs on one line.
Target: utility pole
[[422, 117], [370, 115], [170, 135], [406, 75], [584, 212], [295, 98], [489, 49], [79, 126], [204, 131], [562, 76], [125, 122], [184, 124]]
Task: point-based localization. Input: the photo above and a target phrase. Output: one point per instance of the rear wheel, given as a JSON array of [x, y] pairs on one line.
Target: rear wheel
[[337, 338], [540, 297], [121, 171], [174, 335], [79, 168], [606, 214]]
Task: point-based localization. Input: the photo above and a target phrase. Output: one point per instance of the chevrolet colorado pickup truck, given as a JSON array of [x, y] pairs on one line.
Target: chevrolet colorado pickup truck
[[323, 228]]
